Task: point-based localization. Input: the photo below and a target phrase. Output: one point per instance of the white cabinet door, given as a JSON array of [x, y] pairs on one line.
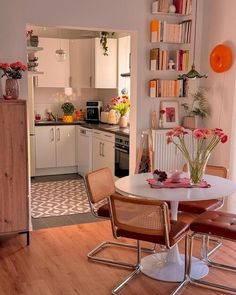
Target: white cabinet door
[[65, 142], [56, 73], [108, 153], [97, 153], [81, 63], [45, 147], [105, 66]]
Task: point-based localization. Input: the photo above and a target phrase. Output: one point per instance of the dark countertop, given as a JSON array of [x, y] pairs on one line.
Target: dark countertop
[[99, 126]]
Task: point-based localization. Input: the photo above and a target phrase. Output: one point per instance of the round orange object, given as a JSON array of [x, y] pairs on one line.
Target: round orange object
[[221, 58]]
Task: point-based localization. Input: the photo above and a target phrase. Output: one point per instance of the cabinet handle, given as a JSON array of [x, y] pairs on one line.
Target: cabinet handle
[[103, 149], [52, 134], [100, 149], [90, 81], [58, 134], [35, 81], [108, 135]]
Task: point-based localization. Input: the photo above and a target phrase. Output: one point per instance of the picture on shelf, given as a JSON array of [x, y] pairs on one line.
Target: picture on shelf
[[171, 114]]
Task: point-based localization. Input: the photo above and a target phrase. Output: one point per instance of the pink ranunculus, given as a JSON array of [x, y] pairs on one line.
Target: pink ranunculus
[[169, 133], [114, 99], [5, 66], [224, 138]]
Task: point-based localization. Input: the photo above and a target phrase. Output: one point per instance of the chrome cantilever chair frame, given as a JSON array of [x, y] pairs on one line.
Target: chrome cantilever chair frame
[[137, 270], [92, 255], [211, 263]]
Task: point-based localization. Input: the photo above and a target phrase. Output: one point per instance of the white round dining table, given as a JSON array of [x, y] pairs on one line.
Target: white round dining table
[[169, 265]]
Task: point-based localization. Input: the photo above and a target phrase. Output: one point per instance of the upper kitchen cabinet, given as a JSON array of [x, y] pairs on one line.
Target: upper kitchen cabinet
[[56, 73], [89, 67], [81, 63]]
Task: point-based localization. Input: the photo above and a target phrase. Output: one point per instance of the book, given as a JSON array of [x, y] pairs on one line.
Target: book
[[154, 29], [153, 59], [153, 87]]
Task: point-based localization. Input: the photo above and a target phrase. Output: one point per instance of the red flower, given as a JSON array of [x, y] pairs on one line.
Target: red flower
[[162, 112], [224, 138], [169, 140], [4, 66]]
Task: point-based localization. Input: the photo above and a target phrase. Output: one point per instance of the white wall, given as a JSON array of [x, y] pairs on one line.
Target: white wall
[[219, 24]]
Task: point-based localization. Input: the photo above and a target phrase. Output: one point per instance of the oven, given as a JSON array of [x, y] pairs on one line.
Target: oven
[[121, 156]]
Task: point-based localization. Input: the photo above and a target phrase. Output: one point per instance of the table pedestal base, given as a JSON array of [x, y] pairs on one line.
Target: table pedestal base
[[157, 267]]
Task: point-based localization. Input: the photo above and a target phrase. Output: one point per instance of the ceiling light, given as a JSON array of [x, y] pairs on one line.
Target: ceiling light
[[60, 53], [193, 73]]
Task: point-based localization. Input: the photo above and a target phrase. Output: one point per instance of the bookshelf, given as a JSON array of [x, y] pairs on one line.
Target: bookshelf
[[170, 48]]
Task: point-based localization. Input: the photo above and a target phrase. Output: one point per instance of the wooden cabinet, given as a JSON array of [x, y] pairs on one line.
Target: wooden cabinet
[[89, 67], [13, 167], [103, 150], [55, 146], [56, 73]]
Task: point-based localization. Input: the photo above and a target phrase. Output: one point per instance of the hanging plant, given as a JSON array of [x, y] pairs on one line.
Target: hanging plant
[[103, 41]]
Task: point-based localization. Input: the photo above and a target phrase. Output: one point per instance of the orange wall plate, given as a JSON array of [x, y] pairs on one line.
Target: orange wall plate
[[221, 58]]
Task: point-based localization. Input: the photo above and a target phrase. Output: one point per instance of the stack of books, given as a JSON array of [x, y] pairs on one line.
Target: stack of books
[[160, 59], [168, 88], [161, 31]]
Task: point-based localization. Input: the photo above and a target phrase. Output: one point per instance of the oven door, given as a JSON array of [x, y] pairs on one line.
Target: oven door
[[121, 162]]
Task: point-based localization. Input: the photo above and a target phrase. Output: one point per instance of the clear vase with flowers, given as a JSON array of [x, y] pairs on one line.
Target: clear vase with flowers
[[13, 72], [203, 143]]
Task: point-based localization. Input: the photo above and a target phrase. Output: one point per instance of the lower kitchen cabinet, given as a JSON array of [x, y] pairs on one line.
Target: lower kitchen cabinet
[[55, 146], [103, 150]]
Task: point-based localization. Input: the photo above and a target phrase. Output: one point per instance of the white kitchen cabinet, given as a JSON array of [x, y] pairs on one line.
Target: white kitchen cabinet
[[105, 65], [45, 147], [55, 146], [81, 63], [89, 67], [65, 146], [103, 150], [56, 73]]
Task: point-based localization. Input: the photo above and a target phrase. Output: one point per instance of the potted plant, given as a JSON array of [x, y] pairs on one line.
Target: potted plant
[[103, 41], [68, 110], [199, 107]]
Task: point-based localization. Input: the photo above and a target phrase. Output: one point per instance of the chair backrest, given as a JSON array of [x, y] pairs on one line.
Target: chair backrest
[[100, 184], [212, 170], [140, 215]]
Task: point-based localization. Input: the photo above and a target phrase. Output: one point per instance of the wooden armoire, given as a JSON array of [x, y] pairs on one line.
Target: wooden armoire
[[14, 202]]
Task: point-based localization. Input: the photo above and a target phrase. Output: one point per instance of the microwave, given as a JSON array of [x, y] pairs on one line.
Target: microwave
[[93, 110]]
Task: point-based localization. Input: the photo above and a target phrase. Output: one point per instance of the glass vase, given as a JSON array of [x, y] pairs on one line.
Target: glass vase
[[196, 167], [11, 89]]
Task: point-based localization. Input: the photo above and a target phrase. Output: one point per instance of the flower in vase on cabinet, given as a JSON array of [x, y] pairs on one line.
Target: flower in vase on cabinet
[[13, 72], [122, 106]]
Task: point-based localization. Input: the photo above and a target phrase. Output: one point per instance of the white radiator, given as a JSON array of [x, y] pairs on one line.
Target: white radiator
[[166, 156]]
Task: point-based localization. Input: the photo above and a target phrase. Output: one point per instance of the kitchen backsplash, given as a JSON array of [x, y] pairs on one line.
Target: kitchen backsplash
[[52, 98]]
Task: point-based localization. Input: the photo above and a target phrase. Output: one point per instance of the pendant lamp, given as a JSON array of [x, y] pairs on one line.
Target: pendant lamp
[[193, 73], [60, 53]]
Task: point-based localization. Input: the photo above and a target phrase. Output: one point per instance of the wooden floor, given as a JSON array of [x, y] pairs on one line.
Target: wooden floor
[[56, 264]]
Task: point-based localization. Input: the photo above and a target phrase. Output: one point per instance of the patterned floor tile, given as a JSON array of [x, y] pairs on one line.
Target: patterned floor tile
[[56, 198]]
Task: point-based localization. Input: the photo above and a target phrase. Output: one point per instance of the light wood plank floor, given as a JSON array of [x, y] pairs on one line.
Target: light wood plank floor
[[56, 264]]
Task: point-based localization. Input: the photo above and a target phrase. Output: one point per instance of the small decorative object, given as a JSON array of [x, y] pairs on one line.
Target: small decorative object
[[171, 114], [159, 176], [13, 72], [171, 65], [68, 110], [122, 106], [29, 33], [199, 107], [204, 141], [34, 41], [172, 9], [162, 112], [175, 176], [103, 41], [221, 58]]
